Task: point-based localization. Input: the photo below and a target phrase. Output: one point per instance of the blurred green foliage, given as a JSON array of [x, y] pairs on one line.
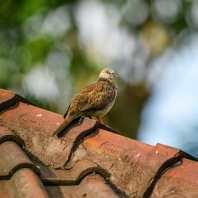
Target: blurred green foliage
[[50, 49]]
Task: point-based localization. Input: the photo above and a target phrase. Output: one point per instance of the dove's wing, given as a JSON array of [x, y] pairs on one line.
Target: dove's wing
[[95, 96]]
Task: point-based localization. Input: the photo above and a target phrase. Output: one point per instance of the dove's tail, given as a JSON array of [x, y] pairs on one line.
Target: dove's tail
[[68, 119]]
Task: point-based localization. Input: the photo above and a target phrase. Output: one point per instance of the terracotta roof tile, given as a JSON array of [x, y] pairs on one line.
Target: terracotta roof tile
[[86, 160], [179, 180], [35, 126], [23, 184], [29, 121], [92, 186], [6, 134], [8, 98], [134, 159], [73, 176], [13, 160]]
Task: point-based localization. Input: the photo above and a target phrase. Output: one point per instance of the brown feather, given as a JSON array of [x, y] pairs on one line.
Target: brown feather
[[94, 100]]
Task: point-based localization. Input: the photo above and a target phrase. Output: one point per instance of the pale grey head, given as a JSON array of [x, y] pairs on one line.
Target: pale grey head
[[107, 73]]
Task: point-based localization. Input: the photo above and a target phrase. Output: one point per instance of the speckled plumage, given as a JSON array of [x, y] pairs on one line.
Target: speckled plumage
[[93, 101]]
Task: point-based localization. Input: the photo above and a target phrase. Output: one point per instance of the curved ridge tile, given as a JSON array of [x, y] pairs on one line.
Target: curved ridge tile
[[126, 158], [92, 186], [9, 98], [180, 180], [170, 156], [167, 150], [36, 126], [81, 169], [23, 184], [13, 159], [6, 134], [24, 100], [96, 186], [80, 128]]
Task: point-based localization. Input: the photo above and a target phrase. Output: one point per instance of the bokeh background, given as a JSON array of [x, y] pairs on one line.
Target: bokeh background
[[50, 49]]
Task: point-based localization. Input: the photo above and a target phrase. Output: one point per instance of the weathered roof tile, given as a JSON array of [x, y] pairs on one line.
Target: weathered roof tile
[[23, 184], [92, 186], [36, 126], [82, 127], [133, 159], [179, 180], [6, 134], [50, 176], [8, 99], [13, 160], [94, 162]]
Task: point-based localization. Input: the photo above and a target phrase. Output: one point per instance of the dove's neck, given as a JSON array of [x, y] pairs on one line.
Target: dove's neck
[[110, 81], [104, 79]]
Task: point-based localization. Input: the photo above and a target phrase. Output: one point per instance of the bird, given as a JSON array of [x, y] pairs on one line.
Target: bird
[[94, 100]]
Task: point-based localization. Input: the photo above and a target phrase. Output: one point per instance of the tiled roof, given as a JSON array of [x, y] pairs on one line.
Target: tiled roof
[[87, 160]]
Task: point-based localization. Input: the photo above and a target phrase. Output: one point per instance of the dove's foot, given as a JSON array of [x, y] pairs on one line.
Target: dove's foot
[[99, 119]]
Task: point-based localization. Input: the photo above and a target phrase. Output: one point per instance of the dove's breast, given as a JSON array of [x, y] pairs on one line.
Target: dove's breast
[[108, 97]]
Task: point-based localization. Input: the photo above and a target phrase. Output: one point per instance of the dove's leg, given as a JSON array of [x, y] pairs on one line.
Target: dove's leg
[[99, 119]]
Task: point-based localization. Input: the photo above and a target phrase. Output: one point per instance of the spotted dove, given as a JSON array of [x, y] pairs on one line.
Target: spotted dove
[[95, 100]]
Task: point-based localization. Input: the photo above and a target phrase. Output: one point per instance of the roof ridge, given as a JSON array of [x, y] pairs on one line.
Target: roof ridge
[[133, 168], [9, 98]]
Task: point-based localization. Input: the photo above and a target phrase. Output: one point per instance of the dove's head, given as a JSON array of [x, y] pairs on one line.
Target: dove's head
[[107, 73]]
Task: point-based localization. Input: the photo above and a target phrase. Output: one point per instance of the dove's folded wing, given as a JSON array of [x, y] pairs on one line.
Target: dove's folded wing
[[95, 96]]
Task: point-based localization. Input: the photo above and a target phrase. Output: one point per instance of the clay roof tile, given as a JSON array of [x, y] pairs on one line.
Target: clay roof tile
[[8, 98], [13, 160], [179, 180], [92, 186], [72, 176], [85, 160], [23, 184], [6, 134]]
